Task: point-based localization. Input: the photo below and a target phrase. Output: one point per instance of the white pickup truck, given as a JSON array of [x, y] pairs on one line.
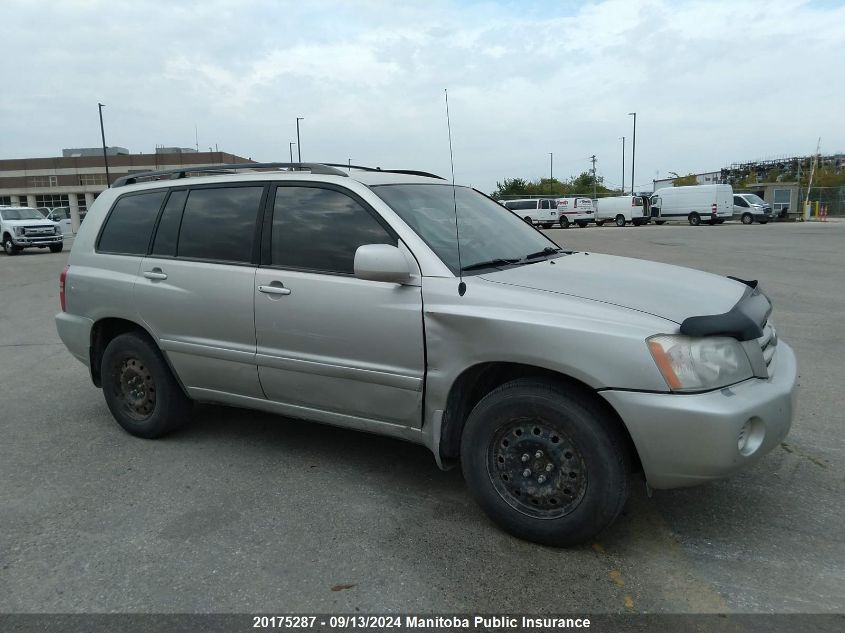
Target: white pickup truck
[[23, 227]]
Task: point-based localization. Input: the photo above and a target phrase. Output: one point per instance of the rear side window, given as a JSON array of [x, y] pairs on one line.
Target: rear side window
[[130, 224], [320, 229], [218, 224], [168, 226]]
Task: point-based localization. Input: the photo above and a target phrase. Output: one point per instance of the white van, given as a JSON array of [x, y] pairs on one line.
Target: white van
[[575, 211], [540, 211], [621, 210], [696, 204]]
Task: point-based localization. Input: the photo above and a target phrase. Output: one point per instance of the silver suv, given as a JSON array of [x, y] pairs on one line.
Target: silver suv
[[344, 298]]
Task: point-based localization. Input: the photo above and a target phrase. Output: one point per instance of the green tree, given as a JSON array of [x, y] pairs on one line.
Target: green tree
[[683, 181]]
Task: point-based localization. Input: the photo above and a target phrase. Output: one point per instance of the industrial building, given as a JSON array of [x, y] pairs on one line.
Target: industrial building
[[75, 178]]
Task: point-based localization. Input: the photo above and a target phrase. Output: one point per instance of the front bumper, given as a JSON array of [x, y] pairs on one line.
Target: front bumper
[[688, 439], [45, 240]]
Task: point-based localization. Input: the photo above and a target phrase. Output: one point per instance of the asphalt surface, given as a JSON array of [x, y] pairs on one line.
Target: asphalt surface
[[246, 512]]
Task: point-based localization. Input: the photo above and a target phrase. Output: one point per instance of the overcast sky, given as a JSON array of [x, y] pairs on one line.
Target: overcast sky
[[711, 82]]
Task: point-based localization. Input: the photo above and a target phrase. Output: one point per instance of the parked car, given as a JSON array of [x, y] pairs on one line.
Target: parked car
[[24, 227], [621, 210], [696, 204], [347, 298], [749, 207], [61, 216], [44, 211], [539, 211], [575, 211]]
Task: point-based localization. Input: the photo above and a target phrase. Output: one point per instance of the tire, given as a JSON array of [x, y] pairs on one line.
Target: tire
[[140, 390], [763, 221], [620, 220], [660, 222], [694, 219], [720, 221], [599, 222], [548, 225], [56, 248], [578, 452], [564, 222], [9, 246], [583, 225], [527, 219], [747, 218]]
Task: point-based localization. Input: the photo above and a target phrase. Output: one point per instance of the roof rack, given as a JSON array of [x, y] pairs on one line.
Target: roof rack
[[225, 168], [407, 172]]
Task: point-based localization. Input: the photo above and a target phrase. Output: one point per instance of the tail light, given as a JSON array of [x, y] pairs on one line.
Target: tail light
[[62, 279], [633, 202], [713, 208]]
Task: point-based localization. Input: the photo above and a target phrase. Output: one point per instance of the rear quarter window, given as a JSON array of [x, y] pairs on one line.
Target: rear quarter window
[[130, 223]]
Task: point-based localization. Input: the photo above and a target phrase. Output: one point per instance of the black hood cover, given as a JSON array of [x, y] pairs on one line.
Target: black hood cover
[[743, 322]]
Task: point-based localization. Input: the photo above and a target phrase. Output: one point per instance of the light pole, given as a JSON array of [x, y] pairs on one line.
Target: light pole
[[623, 164], [349, 169], [290, 147], [103, 135], [298, 146], [551, 170], [633, 150]]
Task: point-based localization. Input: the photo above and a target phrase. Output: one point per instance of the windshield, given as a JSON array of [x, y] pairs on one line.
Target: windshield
[[753, 198], [21, 214], [489, 232]]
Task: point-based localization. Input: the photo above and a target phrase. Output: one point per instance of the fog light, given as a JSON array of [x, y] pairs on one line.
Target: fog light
[[750, 436]]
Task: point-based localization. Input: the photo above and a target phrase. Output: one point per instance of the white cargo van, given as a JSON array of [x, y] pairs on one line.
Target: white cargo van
[[696, 204], [541, 211], [621, 210], [578, 211]]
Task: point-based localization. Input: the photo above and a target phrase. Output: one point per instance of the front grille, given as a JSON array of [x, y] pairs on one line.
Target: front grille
[[37, 230], [768, 342]]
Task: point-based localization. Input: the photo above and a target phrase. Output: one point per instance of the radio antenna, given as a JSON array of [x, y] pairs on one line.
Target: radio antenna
[[462, 287]]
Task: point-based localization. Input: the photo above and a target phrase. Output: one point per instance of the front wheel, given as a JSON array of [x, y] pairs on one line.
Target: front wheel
[[56, 248], [747, 218], [564, 222], [527, 219], [9, 246], [763, 221], [140, 390], [545, 462], [620, 220], [694, 219]]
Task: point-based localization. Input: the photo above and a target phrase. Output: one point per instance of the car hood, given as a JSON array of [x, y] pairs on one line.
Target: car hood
[[41, 222], [663, 290]]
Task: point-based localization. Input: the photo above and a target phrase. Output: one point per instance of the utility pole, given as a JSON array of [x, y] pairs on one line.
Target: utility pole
[[298, 146], [291, 144], [196, 137], [623, 164], [349, 169], [593, 159], [551, 170], [633, 150], [103, 135]]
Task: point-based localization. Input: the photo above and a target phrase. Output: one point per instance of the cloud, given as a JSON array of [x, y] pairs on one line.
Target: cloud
[[712, 82]]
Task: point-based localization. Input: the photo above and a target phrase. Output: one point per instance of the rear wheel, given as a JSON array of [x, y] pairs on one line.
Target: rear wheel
[[564, 222], [140, 390], [694, 219], [620, 220], [747, 218], [763, 221], [583, 225], [545, 462], [660, 222], [599, 222]]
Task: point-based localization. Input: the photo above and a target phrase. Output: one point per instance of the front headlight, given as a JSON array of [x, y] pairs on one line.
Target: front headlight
[[18, 230], [699, 364]]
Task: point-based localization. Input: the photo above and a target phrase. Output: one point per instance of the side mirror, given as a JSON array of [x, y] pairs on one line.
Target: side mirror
[[381, 262]]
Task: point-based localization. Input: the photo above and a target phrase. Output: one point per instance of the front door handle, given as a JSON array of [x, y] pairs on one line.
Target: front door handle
[[274, 289], [155, 273]]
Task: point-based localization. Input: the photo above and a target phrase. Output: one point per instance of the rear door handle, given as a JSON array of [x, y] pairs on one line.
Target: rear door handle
[[274, 290], [155, 273]]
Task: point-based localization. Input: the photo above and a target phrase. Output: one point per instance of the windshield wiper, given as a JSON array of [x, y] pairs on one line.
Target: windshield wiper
[[491, 263], [543, 253]]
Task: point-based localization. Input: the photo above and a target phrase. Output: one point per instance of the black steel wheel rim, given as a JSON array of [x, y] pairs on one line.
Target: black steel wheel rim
[[536, 468], [135, 388]]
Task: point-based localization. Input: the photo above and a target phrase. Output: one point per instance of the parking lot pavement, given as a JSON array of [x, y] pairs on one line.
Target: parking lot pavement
[[244, 511]]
